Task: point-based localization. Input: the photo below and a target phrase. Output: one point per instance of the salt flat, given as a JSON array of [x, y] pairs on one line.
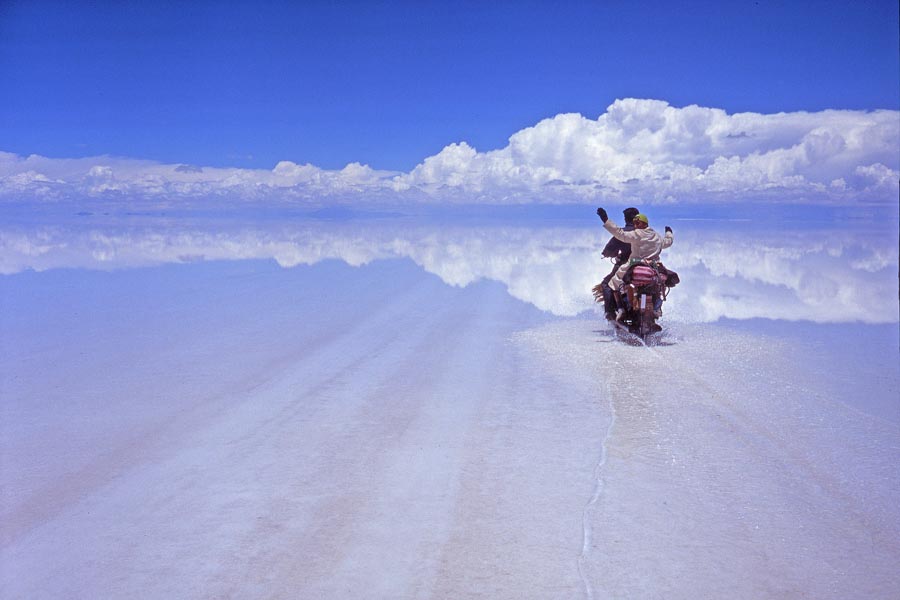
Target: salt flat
[[241, 437], [734, 468], [235, 429]]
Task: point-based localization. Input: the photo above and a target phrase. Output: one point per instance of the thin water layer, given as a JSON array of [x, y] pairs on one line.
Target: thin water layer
[[405, 410], [733, 468]]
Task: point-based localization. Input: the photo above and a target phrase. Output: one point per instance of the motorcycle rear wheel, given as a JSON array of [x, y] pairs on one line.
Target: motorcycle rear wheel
[[644, 325]]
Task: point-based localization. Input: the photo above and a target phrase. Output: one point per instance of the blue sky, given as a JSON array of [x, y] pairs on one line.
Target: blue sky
[[390, 83]]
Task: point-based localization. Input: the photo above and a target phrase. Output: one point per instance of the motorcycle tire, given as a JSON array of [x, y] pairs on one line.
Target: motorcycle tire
[[645, 324]]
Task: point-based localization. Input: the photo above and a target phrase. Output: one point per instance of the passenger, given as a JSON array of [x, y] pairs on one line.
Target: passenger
[[645, 244]]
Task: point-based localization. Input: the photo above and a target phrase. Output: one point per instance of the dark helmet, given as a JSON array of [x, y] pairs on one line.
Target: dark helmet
[[630, 213]]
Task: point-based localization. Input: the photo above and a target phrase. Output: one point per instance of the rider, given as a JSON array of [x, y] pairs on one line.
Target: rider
[[645, 244], [620, 251]]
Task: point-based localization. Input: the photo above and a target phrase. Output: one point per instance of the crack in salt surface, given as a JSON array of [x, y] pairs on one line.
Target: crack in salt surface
[[587, 530], [590, 507]]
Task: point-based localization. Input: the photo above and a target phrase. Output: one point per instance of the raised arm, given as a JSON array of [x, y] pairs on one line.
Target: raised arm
[[668, 238], [619, 233]]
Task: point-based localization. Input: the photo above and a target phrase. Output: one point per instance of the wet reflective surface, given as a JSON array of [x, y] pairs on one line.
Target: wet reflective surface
[[310, 407], [826, 272]]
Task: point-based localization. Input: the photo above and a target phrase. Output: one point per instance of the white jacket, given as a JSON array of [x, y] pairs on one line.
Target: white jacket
[[645, 243]]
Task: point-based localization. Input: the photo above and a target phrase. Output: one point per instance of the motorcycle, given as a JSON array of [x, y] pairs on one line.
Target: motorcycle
[[645, 287]]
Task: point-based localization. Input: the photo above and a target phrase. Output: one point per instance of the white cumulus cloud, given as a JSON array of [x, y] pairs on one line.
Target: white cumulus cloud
[[641, 150], [652, 151]]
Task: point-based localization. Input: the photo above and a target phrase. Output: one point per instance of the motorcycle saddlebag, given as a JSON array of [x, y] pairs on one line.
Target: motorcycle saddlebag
[[670, 277]]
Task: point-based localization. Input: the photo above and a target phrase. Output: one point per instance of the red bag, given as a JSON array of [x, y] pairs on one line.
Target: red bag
[[643, 275]]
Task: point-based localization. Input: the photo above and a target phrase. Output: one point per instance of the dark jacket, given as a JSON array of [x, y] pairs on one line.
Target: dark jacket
[[617, 248]]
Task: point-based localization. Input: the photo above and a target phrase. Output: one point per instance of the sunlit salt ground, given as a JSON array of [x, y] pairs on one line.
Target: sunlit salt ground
[[399, 408]]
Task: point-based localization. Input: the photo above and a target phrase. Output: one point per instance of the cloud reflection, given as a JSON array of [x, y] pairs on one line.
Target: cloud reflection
[[825, 276]]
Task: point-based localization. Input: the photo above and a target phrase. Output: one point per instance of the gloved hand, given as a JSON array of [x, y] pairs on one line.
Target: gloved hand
[[668, 229], [602, 214]]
